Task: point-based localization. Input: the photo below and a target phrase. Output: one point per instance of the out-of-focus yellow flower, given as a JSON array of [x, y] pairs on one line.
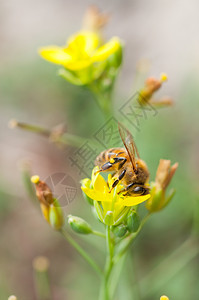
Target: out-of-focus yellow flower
[[84, 52], [111, 207], [164, 297], [164, 174]]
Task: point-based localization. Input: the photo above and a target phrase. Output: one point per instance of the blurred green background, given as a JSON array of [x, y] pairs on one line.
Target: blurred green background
[[165, 33]]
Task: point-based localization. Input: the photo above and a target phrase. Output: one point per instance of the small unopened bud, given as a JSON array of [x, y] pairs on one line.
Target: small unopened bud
[[56, 218], [120, 230], [12, 297], [133, 221], [79, 225], [108, 219], [164, 297]]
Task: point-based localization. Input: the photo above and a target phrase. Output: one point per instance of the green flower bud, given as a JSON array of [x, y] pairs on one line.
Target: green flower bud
[[115, 59], [122, 216], [133, 221], [79, 225], [120, 231], [56, 218], [108, 219]]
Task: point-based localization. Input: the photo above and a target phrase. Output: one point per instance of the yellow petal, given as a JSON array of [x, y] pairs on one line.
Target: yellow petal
[[106, 50], [84, 41], [55, 54], [96, 195], [98, 181], [131, 201], [78, 64]]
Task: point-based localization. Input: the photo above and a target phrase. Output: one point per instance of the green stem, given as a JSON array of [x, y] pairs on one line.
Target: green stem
[[103, 99], [126, 243], [104, 292], [63, 138], [98, 233], [82, 253]]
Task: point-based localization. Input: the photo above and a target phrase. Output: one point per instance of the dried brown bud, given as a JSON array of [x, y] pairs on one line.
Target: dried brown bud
[[43, 192], [151, 86], [165, 173], [94, 19]]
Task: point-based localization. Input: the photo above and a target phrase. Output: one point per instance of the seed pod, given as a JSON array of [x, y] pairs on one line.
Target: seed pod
[[79, 225], [120, 231], [133, 221]]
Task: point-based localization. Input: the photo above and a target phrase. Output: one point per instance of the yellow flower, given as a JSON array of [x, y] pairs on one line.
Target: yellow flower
[[83, 52], [164, 298], [111, 207]]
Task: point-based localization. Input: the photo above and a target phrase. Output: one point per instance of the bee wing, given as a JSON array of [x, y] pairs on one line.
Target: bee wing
[[129, 144]]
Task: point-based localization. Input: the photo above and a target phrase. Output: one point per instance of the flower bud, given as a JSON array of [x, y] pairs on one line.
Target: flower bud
[[108, 219], [45, 211], [56, 218], [120, 230], [164, 174], [151, 86], [133, 221], [94, 19], [43, 192], [79, 225]]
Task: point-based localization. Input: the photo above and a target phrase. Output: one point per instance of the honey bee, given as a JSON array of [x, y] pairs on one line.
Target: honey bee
[[128, 168]]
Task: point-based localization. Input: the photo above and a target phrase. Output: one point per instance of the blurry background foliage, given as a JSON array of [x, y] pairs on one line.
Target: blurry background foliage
[[166, 33]]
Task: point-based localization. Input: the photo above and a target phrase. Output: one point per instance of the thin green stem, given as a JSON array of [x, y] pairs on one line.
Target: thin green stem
[[64, 138], [104, 292], [98, 233], [103, 99], [126, 243], [85, 255]]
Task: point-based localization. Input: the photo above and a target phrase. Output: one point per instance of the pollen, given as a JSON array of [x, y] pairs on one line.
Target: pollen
[[35, 179], [164, 298], [112, 160], [163, 77]]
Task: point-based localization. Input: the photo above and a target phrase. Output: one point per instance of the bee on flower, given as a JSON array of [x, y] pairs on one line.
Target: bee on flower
[[128, 187]]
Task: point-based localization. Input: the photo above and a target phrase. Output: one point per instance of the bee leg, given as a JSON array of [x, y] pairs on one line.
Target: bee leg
[[118, 180], [113, 161], [139, 189], [104, 167], [126, 188]]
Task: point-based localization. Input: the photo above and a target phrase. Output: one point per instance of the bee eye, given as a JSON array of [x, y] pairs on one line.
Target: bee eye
[[138, 190]]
